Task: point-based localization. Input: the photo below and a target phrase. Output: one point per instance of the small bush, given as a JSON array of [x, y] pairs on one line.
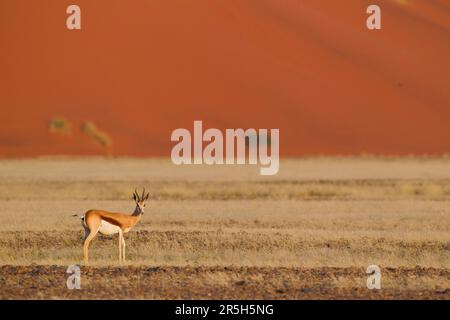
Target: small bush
[[97, 135], [59, 125]]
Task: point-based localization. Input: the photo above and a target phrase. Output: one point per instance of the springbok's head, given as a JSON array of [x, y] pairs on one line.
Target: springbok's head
[[140, 201]]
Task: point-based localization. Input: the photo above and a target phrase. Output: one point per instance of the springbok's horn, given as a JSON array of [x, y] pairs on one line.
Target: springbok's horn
[[136, 194], [143, 194]]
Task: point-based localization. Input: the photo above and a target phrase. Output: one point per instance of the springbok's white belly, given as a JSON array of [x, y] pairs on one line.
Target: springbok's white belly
[[108, 228]]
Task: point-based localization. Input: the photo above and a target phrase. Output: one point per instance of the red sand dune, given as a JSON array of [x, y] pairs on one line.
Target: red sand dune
[[140, 69]]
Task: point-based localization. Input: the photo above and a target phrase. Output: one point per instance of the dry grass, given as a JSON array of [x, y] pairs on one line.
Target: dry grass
[[293, 221], [143, 282], [307, 234], [229, 190]]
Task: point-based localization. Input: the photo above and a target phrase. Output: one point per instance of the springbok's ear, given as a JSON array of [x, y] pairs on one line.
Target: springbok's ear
[[134, 197], [146, 197]]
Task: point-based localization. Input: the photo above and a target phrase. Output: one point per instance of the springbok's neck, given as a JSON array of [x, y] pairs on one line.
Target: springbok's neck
[[137, 211]]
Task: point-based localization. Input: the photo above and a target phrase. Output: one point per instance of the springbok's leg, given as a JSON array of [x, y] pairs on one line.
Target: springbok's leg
[[86, 233], [88, 239], [123, 248], [86, 229], [120, 245]]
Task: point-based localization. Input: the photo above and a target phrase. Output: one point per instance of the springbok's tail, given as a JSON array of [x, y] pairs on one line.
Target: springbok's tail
[[83, 223], [81, 217]]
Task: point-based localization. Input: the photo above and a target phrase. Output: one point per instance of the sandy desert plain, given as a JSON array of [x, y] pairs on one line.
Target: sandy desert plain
[[212, 232]]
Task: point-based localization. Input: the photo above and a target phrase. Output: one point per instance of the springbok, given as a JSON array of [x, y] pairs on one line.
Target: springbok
[[110, 223]]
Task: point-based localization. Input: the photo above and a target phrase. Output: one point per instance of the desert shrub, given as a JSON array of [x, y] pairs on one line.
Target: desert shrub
[[59, 125], [101, 137]]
